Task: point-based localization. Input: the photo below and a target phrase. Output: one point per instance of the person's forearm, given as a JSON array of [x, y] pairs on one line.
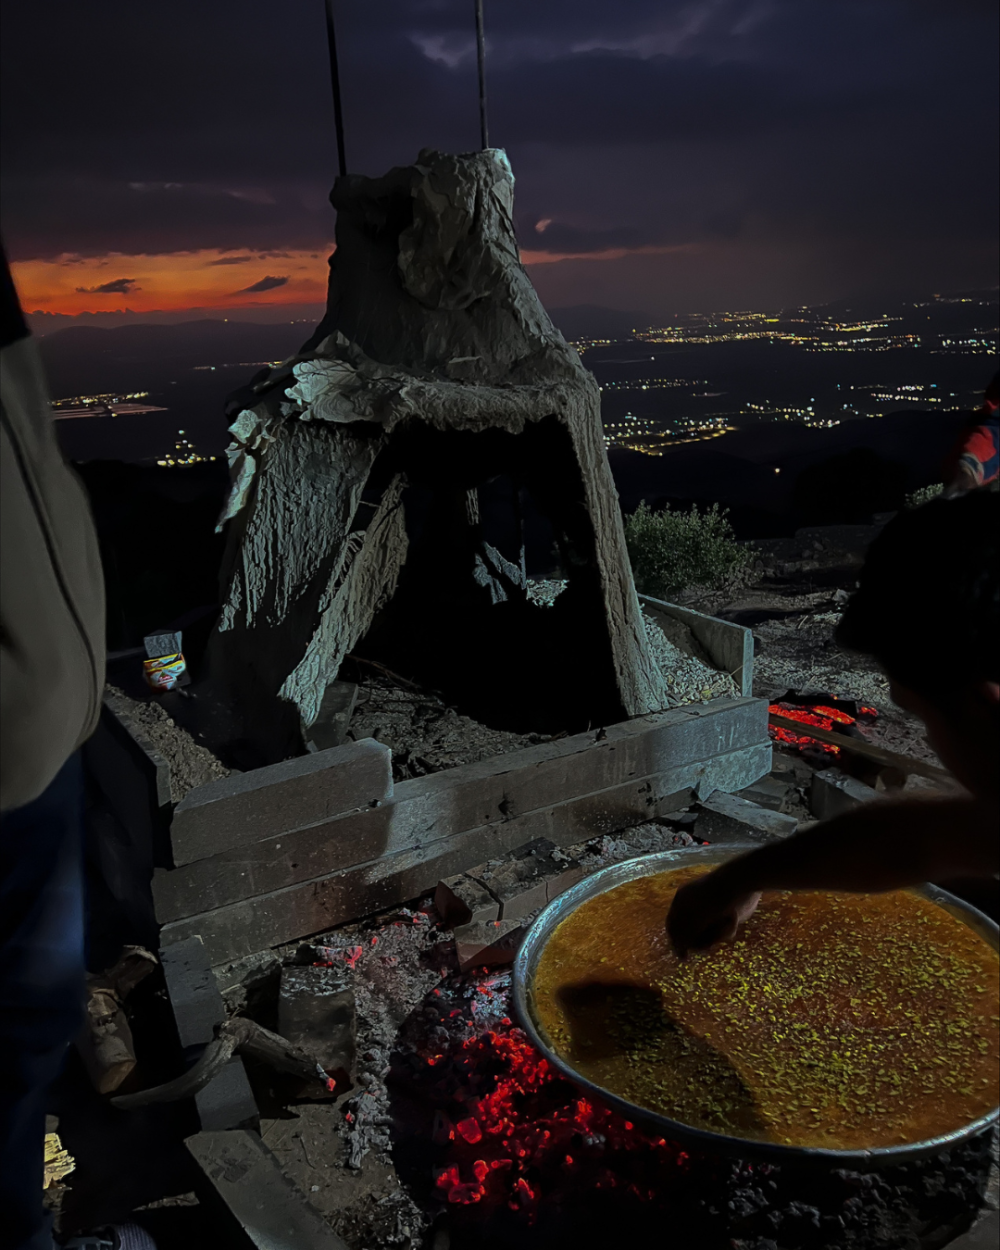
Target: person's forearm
[[881, 846]]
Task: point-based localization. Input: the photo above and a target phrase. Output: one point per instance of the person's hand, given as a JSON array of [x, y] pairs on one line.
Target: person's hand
[[705, 912]]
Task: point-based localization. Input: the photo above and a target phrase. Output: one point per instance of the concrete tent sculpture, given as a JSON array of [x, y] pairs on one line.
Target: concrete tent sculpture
[[435, 380]]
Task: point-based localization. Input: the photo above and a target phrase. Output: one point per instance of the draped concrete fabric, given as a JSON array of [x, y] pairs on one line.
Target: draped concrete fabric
[[436, 368]]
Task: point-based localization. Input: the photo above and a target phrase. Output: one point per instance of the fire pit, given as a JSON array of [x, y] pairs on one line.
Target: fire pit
[[525, 973]]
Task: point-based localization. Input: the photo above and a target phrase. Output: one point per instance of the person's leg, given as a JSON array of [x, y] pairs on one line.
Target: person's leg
[[41, 987]]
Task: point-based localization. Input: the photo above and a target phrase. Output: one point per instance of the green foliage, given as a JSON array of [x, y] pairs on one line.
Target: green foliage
[[674, 551], [924, 495]]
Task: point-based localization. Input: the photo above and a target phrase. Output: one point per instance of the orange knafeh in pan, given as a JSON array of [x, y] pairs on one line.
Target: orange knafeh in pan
[[839, 1021]]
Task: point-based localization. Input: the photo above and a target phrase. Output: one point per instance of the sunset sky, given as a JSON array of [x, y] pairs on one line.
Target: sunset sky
[[669, 156]]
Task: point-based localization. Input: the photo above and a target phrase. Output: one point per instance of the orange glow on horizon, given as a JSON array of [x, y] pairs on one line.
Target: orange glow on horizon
[[209, 278], [171, 281]]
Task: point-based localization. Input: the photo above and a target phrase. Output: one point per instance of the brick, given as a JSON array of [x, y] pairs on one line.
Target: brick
[[832, 792], [316, 1011], [493, 944], [313, 900], [235, 812], [462, 899], [269, 1208], [727, 818], [524, 882]]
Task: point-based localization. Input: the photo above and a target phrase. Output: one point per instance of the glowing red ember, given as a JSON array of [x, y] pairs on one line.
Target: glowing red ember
[[521, 1127], [820, 716]]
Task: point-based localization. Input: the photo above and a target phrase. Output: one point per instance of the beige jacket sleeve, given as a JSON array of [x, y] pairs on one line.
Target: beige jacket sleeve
[[51, 590]]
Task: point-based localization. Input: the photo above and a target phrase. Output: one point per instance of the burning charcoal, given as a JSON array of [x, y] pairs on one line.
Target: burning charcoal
[[534, 875], [464, 900], [316, 1012], [494, 943], [833, 792]]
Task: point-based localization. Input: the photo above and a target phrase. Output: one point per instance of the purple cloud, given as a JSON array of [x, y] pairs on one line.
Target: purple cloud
[[265, 284], [118, 286]]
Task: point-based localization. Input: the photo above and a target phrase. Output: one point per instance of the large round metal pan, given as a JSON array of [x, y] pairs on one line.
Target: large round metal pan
[[545, 925]]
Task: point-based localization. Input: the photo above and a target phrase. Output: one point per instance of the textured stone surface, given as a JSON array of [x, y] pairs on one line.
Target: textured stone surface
[[432, 329]]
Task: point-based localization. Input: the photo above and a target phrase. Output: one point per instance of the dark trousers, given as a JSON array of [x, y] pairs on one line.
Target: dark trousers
[[41, 987]]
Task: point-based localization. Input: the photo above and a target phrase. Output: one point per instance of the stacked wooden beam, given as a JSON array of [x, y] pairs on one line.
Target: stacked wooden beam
[[289, 850]]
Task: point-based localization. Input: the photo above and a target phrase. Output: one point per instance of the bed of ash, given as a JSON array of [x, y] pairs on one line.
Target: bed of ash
[[459, 1135]]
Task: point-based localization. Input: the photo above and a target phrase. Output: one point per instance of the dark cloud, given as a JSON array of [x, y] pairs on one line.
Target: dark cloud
[[230, 260], [265, 284], [836, 131], [118, 286]]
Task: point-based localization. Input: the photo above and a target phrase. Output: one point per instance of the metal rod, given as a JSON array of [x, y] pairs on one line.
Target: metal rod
[[481, 56], [338, 112]]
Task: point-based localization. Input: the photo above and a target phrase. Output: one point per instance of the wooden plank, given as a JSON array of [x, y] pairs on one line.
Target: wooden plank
[[906, 763], [729, 646], [474, 795], [309, 907], [235, 812]]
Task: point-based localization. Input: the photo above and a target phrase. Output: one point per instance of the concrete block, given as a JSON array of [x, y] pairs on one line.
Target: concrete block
[[227, 1101], [832, 792], [235, 812], [194, 992], [316, 1011], [766, 792], [273, 1213], [525, 881], [334, 718], [492, 944], [727, 817], [464, 900]]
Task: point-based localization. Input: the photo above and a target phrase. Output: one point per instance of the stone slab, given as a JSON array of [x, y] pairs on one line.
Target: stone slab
[[227, 1101], [832, 792], [235, 812], [728, 734], [298, 910], [273, 1213], [727, 817], [316, 1011]]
